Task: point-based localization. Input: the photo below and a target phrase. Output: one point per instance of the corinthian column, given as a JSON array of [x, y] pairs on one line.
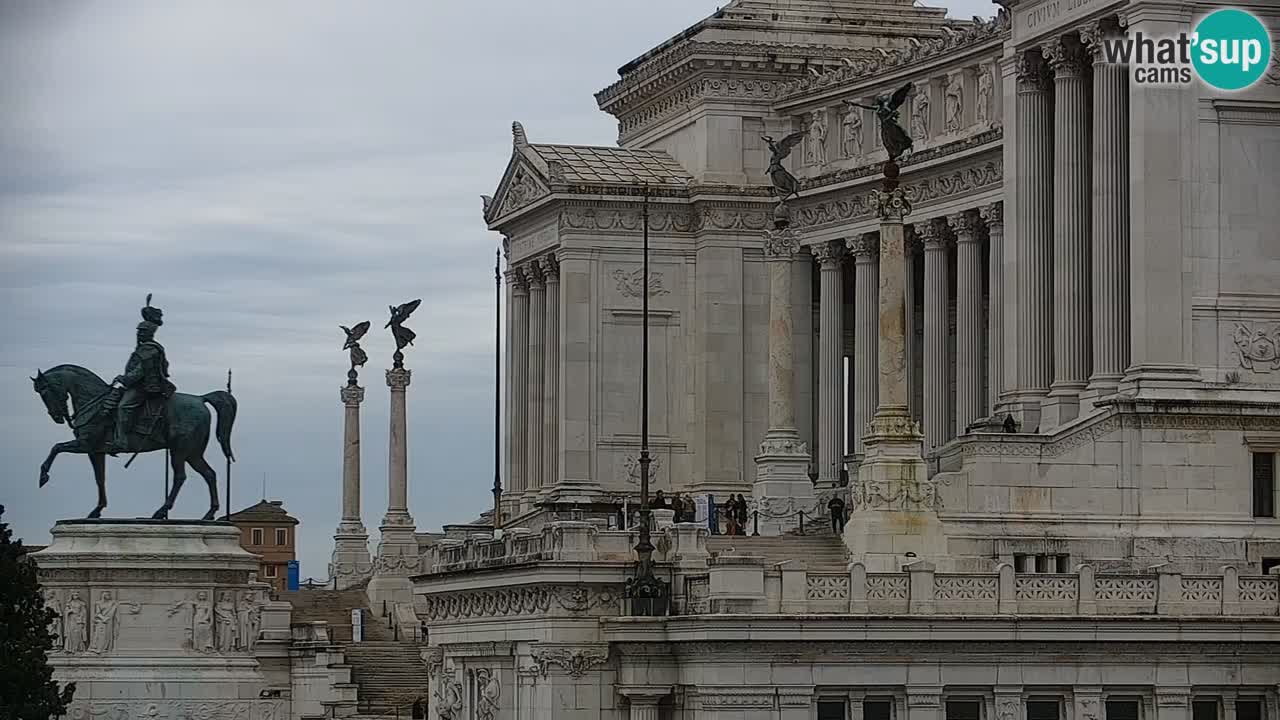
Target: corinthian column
[[866, 280], [1110, 247], [937, 422], [782, 482], [551, 376], [398, 459], [993, 217], [1071, 332], [1035, 239], [537, 343], [350, 561], [398, 546], [830, 257], [969, 329], [519, 379]]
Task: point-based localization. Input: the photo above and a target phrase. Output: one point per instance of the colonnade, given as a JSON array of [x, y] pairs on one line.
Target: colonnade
[[533, 392]]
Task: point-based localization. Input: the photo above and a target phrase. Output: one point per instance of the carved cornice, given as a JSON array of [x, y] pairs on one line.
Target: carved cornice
[[524, 600], [674, 219], [920, 650], [919, 193]]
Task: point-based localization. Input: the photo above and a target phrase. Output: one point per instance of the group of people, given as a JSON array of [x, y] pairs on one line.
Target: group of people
[[682, 505], [685, 510], [736, 515]]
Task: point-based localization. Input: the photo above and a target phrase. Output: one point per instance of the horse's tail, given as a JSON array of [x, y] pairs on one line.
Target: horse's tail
[[225, 404]]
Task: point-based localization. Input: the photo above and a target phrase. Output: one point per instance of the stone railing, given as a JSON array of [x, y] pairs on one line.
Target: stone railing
[[738, 584], [513, 548]]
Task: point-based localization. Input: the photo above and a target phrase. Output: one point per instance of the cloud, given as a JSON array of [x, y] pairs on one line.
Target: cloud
[[269, 172]]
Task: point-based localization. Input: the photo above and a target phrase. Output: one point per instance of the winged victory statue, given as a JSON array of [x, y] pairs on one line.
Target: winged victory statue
[[895, 137], [399, 313], [358, 356], [784, 183]]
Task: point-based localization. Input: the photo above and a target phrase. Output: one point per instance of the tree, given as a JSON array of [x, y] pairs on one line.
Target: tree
[[27, 688]]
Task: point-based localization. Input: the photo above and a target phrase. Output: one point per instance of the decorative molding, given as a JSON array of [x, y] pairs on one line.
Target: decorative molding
[[179, 710], [1066, 57], [781, 244], [874, 169], [1032, 72], [574, 661], [524, 600], [631, 284], [862, 206], [1257, 348]]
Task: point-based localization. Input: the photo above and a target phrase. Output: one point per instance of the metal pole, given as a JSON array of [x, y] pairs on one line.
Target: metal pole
[[228, 515], [166, 474], [497, 390], [644, 548]]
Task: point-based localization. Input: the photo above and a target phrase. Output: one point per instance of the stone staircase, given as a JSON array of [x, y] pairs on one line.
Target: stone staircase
[[334, 607], [820, 553], [390, 675]]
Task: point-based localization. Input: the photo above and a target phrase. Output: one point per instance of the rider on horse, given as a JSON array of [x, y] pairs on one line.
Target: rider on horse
[[145, 379]]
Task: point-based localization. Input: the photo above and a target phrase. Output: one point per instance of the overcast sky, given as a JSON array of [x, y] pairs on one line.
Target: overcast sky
[[269, 170]]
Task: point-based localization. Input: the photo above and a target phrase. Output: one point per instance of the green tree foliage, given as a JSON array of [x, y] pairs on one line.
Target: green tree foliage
[[27, 689]]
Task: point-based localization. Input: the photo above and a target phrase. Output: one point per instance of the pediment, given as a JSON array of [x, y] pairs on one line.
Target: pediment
[[522, 185]]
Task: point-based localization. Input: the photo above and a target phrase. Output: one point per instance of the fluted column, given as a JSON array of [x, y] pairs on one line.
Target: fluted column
[[1071, 331], [519, 379], [911, 249], [1110, 246], [866, 280], [1035, 239], [830, 258], [537, 368], [993, 218], [969, 325], [937, 422], [551, 374]]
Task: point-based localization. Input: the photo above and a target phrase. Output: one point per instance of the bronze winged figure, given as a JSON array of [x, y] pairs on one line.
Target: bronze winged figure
[[784, 183], [403, 335], [896, 139], [358, 356]]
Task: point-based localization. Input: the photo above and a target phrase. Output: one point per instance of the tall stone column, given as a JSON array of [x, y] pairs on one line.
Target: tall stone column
[[1034, 235], [519, 353], [1110, 246], [350, 562], [969, 321], [537, 368], [398, 546], [830, 257], [1071, 332], [937, 421], [912, 250], [993, 217], [880, 533], [551, 375], [866, 279], [782, 482]]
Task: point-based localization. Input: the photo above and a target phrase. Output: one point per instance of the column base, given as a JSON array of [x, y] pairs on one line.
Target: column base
[[1100, 386], [1061, 406], [1160, 382], [351, 563], [398, 560], [1025, 408], [783, 489]]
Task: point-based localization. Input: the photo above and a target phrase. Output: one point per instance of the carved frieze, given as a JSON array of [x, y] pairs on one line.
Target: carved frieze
[[862, 206], [631, 284], [523, 190], [573, 661], [179, 710], [1257, 346], [528, 600]]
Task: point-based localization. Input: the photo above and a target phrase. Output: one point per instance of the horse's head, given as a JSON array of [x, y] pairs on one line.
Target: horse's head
[[53, 395]]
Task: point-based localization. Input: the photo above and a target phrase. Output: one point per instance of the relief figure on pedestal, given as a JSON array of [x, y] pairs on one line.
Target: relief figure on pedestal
[[954, 106], [852, 144], [76, 624], [106, 623], [55, 625], [983, 108], [920, 115], [817, 154], [250, 622], [488, 691], [448, 696], [227, 623], [200, 632]]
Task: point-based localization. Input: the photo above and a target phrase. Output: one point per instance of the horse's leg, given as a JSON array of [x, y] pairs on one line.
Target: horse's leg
[[99, 463], [199, 464], [176, 461], [70, 446]]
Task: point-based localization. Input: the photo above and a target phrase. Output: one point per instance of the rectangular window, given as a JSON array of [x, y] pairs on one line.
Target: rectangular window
[[1064, 564], [877, 710], [1268, 563], [1249, 709], [1264, 484], [257, 536], [964, 710], [1042, 710], [1122, 710], [282, 536], [830, 710], [270, 571], [1204, 710]]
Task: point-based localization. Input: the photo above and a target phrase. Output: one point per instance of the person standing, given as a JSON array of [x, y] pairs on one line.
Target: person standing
[[836, 506]]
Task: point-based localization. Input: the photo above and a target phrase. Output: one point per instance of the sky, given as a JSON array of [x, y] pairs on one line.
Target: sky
[[269, 171]]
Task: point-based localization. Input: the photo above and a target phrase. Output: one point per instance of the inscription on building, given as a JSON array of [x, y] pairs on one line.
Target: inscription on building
[[1039, 17]]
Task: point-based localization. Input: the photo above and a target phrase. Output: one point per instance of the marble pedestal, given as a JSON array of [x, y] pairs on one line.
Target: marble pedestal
[[350, 563], [783, 488], [164, 619]]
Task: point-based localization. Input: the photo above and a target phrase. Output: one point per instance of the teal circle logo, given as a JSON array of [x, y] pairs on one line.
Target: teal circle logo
[[1232, 49]]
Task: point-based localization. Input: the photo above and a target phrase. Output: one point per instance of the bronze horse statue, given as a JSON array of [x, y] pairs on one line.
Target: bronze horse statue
[[183, 430]]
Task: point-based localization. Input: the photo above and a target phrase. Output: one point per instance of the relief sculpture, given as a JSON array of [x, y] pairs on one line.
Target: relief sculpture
[[1258, 350]]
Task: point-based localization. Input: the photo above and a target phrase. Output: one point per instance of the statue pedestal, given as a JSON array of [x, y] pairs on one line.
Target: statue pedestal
[[351, 563], [782, 489], [165, 615], [398, 559]]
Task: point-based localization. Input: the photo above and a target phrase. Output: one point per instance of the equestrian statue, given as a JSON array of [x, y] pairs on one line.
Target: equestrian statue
[[139, 411]]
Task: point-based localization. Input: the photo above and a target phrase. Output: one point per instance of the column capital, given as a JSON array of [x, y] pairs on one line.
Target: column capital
[[1065, 55], [931, 234], [891, 206], [865, 247], [781, 244], [993, 214], [533, 275], [828, 254], [516, 278], [1032, 72], [352, 395], [550, 268], [398, 379], [963, 224], [1093, 33]]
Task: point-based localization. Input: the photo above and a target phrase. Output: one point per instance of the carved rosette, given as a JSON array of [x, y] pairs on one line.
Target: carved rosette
[[828, 254], [992, 215], [352, 395], [891, 206], [781, 244], [865, 247], [1065, 56], [1032, 73]]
